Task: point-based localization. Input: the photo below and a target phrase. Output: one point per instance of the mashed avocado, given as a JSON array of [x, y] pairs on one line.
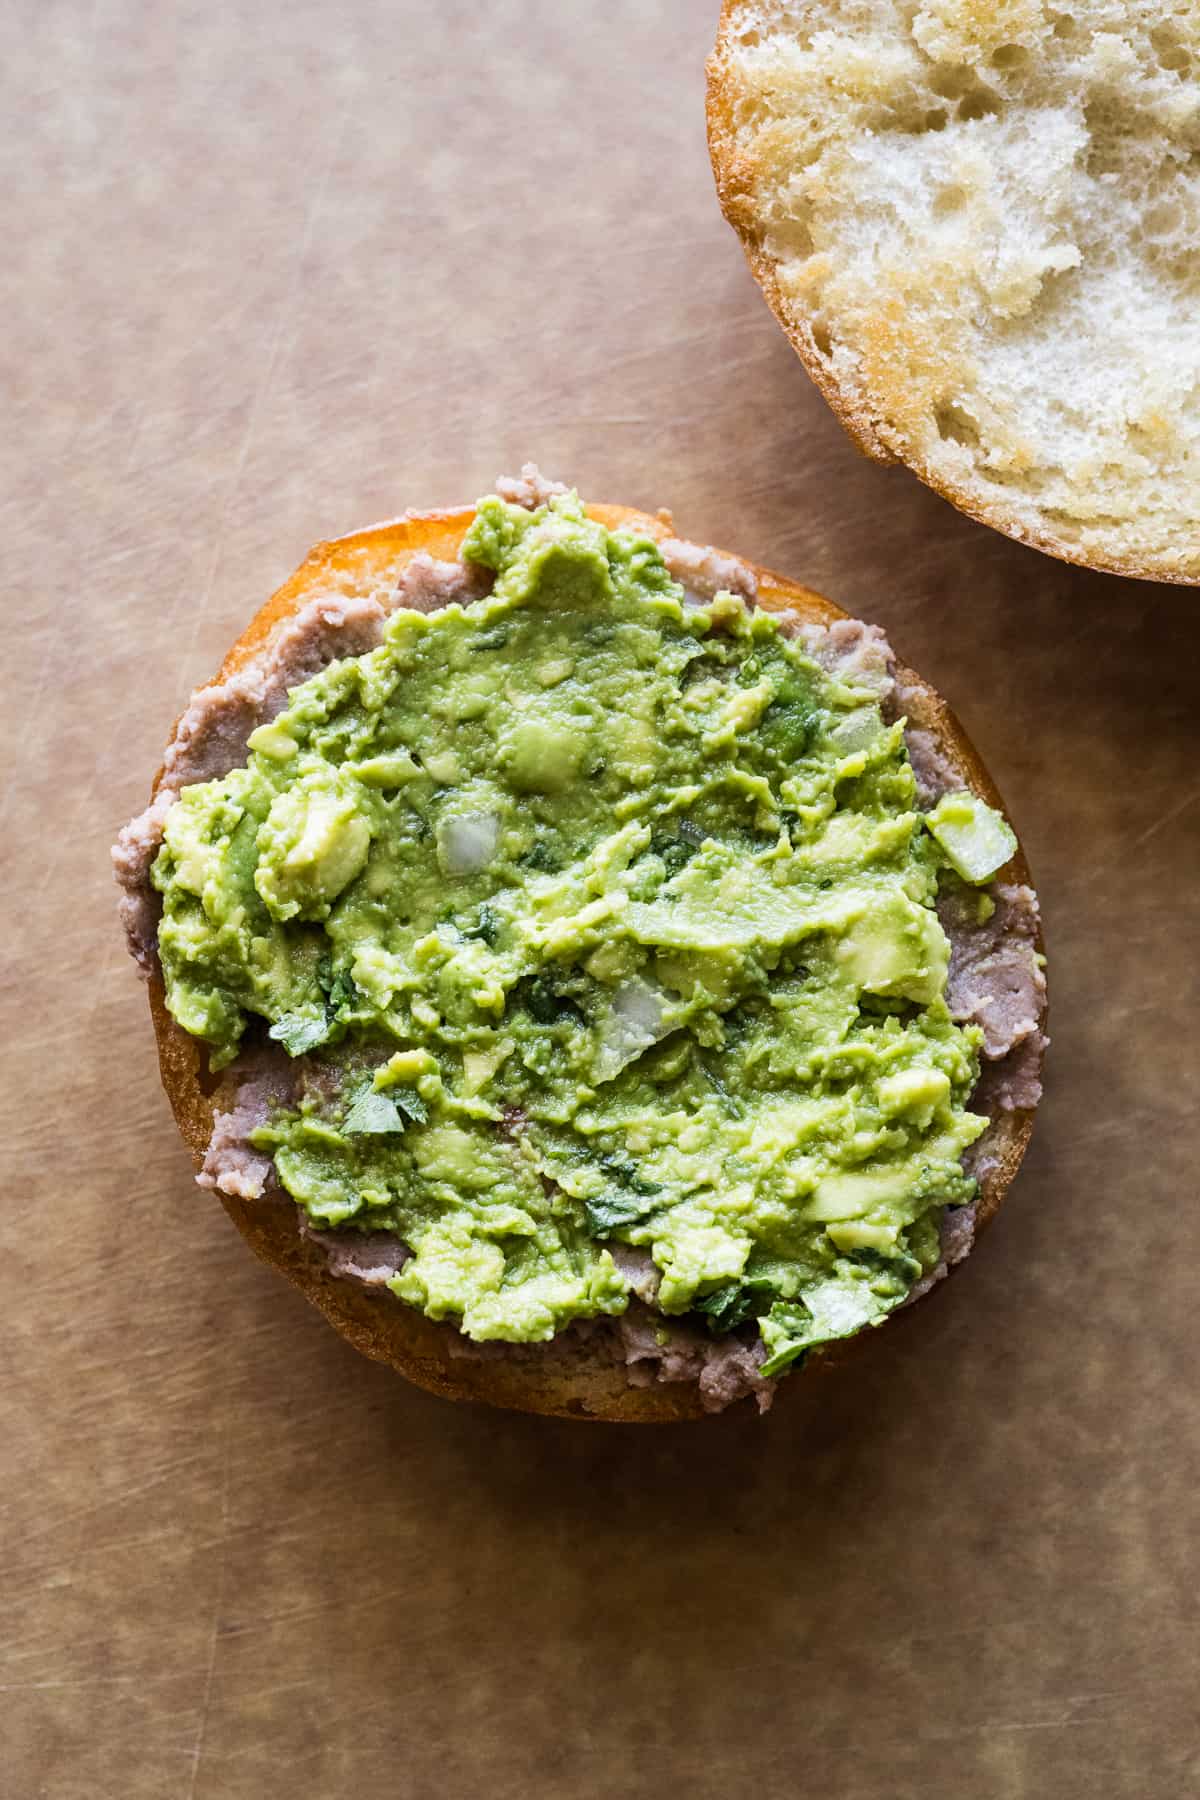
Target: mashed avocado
[[594, 919]]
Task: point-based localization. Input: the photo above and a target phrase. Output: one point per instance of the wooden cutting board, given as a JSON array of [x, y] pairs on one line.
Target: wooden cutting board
[[274, 272]]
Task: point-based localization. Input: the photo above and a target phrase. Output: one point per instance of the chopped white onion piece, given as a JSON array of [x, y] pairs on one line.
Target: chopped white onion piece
[[636, 1021], [639, 1006], [857, 730], [467, 843]]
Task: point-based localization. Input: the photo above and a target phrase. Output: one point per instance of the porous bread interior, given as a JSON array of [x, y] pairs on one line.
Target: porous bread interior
[[591, 1386], [978, 221]]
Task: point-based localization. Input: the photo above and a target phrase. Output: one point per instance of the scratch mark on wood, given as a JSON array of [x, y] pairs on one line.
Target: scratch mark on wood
[[1168, 818], [214, 1630]]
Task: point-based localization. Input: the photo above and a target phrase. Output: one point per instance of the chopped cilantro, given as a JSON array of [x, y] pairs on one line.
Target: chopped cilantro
[[731, 1107], [614, 1212], [626, 1172], [540, 856], [299, 1032], [545, 1004], [486, 927], [372, 1115], [410, 1104], [494, 638], [729, 1306], [788, 722], [307, 1029]]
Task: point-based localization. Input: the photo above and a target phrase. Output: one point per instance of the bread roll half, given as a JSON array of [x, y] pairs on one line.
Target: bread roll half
[[977, 225], [578, 1374]]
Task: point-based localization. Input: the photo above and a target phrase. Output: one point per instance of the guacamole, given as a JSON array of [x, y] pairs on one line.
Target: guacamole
[[593, 918]]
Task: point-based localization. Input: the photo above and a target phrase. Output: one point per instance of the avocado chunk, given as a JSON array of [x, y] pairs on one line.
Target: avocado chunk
[[976, 840]]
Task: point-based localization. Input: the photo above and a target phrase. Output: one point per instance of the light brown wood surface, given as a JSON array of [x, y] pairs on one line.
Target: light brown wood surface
[[270, 273]]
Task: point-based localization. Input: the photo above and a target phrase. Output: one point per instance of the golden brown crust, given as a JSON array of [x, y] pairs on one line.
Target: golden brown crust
[[372, 1320], [871, 434]]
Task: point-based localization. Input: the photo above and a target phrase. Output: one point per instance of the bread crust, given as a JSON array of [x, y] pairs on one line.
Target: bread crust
[[591, 1387], [870, 432]]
